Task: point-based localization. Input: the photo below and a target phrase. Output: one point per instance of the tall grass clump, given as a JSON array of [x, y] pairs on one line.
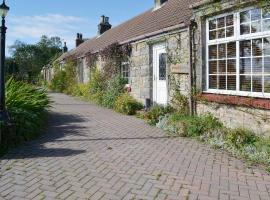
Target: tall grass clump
[[27, 107]]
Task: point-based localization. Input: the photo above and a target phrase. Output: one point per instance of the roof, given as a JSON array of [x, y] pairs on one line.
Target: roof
[[171, 14]]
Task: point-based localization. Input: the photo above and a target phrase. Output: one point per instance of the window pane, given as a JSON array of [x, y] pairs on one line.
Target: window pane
[[245, 66], [212, 35], [231, 50], [257, 65], [213, 52], [213, 67], [230, 31], [245, 48], [265, 13], [256, 27], [257, 84], [266, 25], [221, 22], [255, 14], [222, 82], [267, 65], [162, 66], [267, 84], [229, 20], [231, 84], [221, 33], [245, 83], [213, 82], [266, 46], [212, 24], [244, 17], [221, 51], [245, 29], [257, 47], [231, 66], [222, 66]]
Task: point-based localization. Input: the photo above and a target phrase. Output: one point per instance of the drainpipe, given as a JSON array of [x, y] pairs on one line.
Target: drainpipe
[[192, 27]]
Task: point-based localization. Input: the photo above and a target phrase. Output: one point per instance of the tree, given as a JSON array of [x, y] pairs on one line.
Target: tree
[[27, 60]]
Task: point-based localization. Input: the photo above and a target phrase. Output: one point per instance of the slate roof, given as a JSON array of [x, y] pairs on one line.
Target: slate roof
[[171, 15]]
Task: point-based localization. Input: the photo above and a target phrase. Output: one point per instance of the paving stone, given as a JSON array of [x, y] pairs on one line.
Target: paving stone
[[89, 152]]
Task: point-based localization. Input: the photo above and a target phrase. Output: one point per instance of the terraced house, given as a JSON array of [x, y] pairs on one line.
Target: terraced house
[[215, 52]]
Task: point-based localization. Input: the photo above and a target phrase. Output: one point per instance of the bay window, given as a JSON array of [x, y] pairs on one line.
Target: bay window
[[238, 53]]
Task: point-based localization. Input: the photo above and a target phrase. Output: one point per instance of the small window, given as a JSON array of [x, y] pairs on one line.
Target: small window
[[162, 66], [125, 71]]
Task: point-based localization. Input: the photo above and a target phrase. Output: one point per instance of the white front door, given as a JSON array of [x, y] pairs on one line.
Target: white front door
[[160, 91]]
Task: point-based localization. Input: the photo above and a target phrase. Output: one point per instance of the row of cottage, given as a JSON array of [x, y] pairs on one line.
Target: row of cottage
[[220, 49]]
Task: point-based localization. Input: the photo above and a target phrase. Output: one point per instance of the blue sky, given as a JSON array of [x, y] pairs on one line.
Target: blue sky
[[29, 19]]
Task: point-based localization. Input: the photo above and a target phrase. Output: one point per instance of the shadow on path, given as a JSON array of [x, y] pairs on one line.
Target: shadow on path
[[59, 126]]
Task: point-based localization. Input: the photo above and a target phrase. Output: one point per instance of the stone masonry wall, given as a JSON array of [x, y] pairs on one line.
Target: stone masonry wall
[[232, 116], [141, 67], [256, 120]]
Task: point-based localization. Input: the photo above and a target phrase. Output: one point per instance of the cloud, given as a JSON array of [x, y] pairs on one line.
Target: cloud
[[31, 28]]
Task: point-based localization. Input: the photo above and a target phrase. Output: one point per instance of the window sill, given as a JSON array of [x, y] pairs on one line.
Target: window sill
[[259, 103]]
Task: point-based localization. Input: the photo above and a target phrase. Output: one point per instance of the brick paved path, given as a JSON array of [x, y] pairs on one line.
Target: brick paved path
[[90, 152]]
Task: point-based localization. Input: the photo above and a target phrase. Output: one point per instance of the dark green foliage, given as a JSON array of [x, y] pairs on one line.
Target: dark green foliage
[[126, 104], [27, 107], [27, 60]]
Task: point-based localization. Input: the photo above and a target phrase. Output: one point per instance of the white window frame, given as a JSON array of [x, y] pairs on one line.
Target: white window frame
[[236, 38], [125, 64]]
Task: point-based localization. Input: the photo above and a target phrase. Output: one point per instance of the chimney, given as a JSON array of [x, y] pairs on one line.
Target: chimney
[[104, 25], [79, 39], [65, 49], [159, 3]]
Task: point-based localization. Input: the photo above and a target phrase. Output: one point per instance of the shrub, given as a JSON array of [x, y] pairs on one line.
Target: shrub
[[97, 82], [180, 103], [192, 126], [155, 112], [114, 89], [58, 82], [27, 107], [80, 90], [126, 104], [240, 137]]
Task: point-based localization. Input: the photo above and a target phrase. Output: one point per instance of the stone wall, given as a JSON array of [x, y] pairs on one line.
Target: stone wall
[[232, 116], [141, 71], [141, 64], [253, 119]]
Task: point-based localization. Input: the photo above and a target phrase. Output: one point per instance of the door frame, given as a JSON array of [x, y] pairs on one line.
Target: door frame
[[155, 49]]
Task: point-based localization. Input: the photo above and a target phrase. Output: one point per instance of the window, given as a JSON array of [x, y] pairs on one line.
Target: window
[[238, 53], [125, 71], [162, 66]]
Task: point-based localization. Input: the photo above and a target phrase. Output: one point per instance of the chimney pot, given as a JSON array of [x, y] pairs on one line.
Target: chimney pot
[[79, 39], [65, 49], [104, 25]]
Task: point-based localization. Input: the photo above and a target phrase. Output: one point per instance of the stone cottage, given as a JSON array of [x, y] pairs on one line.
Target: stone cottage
[[215, 52]]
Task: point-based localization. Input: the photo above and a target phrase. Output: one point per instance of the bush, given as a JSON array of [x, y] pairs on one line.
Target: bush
[[114, 89], [155, 112], [180, 103], [97, 82], [192, 126], [27, 107], [58, 82], [240, 137], [126, 104], [80, 90]]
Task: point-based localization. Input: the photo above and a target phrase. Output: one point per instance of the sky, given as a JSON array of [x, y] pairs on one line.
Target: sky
[[28, 20]]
